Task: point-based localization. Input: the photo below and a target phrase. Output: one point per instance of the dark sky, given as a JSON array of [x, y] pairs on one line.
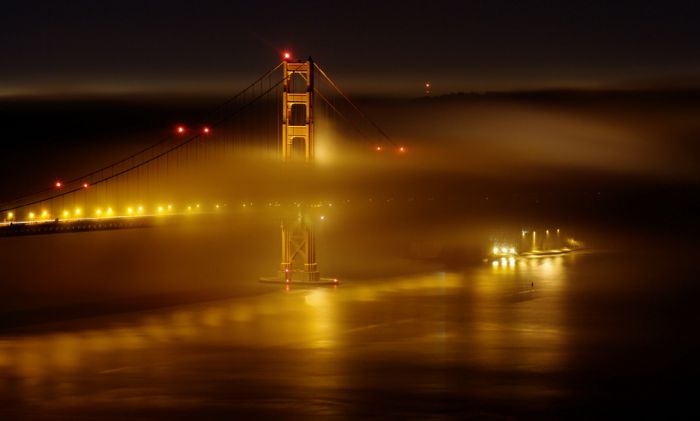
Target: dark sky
[[370, 46]]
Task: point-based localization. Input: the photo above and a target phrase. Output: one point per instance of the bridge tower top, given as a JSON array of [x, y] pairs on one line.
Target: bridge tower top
[[297, 109]]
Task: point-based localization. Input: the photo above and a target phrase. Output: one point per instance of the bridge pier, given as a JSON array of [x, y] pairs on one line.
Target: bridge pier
[[298, 251]]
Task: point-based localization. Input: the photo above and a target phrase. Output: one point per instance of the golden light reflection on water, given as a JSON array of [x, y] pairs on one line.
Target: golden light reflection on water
[[501, 317], [519, 307]]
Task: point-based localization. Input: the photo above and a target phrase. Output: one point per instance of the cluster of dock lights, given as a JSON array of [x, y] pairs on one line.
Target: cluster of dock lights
[[503, 250], [505, 255]]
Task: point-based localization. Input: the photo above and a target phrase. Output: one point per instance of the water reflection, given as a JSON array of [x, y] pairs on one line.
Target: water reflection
[[320, 340]]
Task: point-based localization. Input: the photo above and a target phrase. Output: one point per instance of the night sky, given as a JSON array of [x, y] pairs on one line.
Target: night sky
[[373, 47]]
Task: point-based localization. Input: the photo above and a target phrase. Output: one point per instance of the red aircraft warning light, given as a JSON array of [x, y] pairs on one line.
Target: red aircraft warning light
[[180, 129], [402, 149], [286, 55], [85, 185], [378, 149], [206, 130], [58, 184]]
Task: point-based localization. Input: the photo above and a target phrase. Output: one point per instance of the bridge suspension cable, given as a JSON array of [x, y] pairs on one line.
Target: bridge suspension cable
[[138, 173], [352, 104], [343, 116], [142, 151], [11, 205]]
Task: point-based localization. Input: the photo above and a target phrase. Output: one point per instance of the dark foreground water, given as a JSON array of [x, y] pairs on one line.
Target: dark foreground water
[[596, 333]]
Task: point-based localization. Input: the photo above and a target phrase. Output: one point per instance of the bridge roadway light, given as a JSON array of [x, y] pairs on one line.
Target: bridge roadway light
[[77, 211], [31, 215]]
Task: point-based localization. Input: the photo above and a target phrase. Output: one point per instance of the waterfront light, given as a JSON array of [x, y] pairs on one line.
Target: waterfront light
[[160, 209], [77, 211], [109, 211], [44, 214], [130, 211], [495, 250], [140, 209], [66, 214], [31, 215], [98, 212], [10, 215]]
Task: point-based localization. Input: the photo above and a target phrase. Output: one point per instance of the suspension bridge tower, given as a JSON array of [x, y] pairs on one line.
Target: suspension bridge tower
[[298, 112], [298, 240]]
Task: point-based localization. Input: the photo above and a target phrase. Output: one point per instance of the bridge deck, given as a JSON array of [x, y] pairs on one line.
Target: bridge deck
[[78, 225]]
